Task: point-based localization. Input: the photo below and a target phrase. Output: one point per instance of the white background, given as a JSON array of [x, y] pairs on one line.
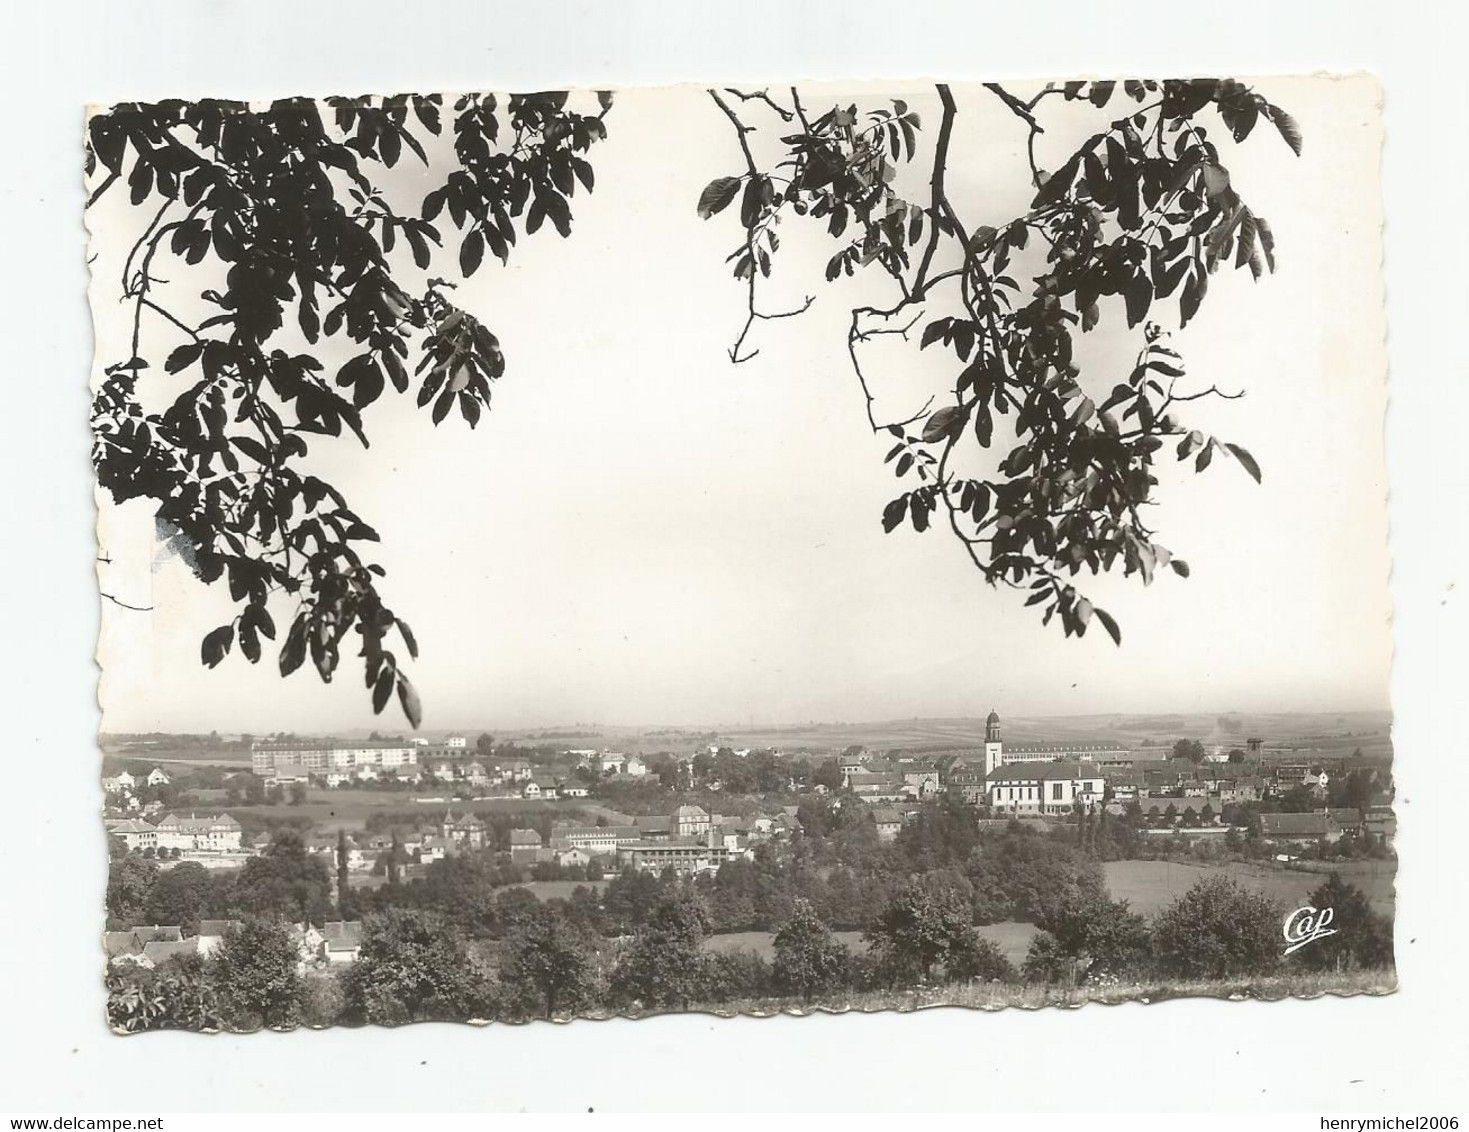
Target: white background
[[1406, 1053]]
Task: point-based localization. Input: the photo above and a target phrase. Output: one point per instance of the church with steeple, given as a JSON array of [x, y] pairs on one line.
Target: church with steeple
[[997, 755]]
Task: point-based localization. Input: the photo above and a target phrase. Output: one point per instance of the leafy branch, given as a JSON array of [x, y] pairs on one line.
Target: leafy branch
[[306, 331], [1143, 209]]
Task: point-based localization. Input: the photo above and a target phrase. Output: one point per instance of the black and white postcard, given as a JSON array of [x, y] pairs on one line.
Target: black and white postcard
[[741, 549]]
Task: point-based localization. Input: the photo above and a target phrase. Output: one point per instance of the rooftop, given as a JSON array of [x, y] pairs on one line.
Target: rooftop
[[1037, 772]]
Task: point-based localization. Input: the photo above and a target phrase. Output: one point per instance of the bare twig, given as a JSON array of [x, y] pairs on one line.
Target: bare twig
[[740, 131], [102, 188], [761, 96], [936, 184], [125, 605]]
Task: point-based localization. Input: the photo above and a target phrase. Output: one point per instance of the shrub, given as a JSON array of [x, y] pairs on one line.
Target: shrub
[[1362, 939], [1088, 934], [322, 999], [807, 958], [176, 997], [1218, 929], [254, 971], [415, 966], [736, 974]]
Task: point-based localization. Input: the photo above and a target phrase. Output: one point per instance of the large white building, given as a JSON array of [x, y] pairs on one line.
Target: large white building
[[213, 832], [134, 834], [291, 757], [1045, 787]]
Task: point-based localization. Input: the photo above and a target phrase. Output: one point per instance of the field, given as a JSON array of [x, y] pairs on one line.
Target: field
[[559, 889], [1324, 733], [1151, 885], [1012, 939], [1329, 734]]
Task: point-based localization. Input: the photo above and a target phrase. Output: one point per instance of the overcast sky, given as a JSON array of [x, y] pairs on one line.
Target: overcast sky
[[639, 532]]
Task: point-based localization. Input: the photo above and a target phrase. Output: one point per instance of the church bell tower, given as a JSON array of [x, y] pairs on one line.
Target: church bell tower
[[993, 747]]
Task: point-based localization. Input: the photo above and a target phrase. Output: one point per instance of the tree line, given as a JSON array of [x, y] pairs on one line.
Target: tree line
[[419, 965]]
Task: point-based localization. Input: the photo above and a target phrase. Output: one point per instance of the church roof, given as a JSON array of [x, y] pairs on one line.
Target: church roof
[[1036, 772]]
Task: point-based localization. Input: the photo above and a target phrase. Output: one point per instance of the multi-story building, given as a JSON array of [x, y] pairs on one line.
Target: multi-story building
[[134, 834], [685, 855], [690, 821], [281, 757], [998, 753], [595, 839], [966, 779], [215, 833]]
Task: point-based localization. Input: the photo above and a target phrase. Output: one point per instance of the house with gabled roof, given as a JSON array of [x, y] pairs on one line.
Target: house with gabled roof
[[690, 821], [212, 933], [160, 951], [131, 944], [889, 823], [1297, 828], [119, 782], [467, 830], [525, 846]]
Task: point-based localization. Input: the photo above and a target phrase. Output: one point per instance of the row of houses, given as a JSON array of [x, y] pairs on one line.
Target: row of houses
[[690, 840], [125, 783], [1036, 779], [1020, 788], [1376, 821], [342, 760], [152, 945]]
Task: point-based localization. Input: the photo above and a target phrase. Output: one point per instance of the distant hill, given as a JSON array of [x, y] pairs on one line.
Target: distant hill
[[1335, 733]]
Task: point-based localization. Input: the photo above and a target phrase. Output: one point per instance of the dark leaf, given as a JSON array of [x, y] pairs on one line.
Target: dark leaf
[[1288, 128], [293, 652], [216, 644], [382, 690], [471, 252], [408, 638], [892, 514], [408, 698], [249, 642], [716, 196], [183, 357], [753, 201], [1246, 459], [944, 423]]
